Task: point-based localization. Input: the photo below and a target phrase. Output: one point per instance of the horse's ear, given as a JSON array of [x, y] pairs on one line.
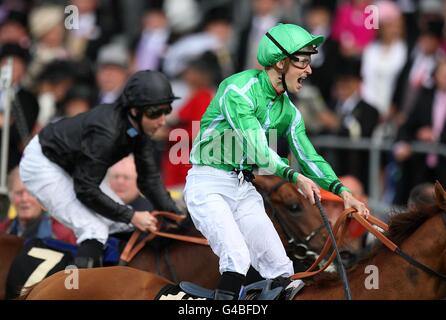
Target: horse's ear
[[440, 195]]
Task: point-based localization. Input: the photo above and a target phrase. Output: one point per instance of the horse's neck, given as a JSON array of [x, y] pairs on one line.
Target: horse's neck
[[387, 276]]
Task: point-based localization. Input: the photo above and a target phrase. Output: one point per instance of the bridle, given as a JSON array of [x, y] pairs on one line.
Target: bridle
[[300, 246], [369, 224]]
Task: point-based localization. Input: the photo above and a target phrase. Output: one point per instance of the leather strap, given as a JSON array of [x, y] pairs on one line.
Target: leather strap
[[341, 227], [131, 248]]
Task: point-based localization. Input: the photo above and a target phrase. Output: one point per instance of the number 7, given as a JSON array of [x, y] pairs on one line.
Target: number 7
[[50, 259]]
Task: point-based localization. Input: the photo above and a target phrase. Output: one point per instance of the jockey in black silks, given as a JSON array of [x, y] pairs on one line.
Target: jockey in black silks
[[64, 166]]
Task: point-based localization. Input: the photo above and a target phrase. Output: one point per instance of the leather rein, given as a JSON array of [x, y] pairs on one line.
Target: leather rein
[[369, 224], [133, 246]]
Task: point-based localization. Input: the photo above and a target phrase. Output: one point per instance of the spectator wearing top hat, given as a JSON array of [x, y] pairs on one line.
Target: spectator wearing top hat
[[24, 106], [418, 70], [112, 72], [14, 29], [265, 15], [151, 44], [357, 118], [426, 123], [325, 62], [79, 99], [52, 86]]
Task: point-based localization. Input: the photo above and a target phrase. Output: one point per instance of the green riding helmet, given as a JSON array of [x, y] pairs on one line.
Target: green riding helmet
[[283, 41]]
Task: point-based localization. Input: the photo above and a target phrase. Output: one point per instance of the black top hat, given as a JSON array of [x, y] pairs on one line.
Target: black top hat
[[217, 14], [322, 4], [79, 91], [153, 5], [433, 28], [349, 68], [14, 50], [57, 70], [15, 16], [207, 63]]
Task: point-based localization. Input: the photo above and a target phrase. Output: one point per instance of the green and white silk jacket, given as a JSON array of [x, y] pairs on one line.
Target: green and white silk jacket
[[245, 113]]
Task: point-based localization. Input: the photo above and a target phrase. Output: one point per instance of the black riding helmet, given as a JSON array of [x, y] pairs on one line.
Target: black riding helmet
[[146, 90]]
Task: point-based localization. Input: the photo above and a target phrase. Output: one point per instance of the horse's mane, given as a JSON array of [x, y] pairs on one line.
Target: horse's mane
[[401, 226]]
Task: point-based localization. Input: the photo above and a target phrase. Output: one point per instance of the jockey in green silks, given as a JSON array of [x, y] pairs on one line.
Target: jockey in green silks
[[248, 107]]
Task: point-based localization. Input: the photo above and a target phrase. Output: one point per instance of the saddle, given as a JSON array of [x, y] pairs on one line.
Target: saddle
[[260, 290]]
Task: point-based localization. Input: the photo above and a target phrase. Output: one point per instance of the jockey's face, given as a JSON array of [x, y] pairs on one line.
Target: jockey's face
[[150, 126], [295, 75]]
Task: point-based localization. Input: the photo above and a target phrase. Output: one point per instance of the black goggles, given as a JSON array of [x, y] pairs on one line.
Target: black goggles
[[154, 112]]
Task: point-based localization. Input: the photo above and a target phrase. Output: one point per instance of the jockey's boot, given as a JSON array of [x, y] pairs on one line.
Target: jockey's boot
[[89, 254], [229, 286], [289, 287], [280, 282]]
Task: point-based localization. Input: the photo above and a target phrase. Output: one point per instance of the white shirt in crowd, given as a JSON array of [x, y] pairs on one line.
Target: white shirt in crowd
[[381, 66]]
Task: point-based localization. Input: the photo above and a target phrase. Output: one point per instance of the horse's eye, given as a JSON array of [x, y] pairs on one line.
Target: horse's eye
[[294, 207]]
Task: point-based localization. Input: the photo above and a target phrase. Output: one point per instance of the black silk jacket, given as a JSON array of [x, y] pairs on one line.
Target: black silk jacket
[[87, 145]]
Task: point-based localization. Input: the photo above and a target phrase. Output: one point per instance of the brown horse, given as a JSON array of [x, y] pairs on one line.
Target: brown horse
[[10, 247], [421, 234], [296, 220]]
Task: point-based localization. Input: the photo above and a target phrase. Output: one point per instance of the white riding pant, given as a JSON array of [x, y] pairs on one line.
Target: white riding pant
[[54, 188], [232, 217]]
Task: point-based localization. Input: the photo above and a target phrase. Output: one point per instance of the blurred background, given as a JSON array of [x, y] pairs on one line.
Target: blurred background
[[374, 107]]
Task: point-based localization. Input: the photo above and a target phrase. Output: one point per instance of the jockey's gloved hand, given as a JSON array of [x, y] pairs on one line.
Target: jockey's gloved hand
[[144, 221]]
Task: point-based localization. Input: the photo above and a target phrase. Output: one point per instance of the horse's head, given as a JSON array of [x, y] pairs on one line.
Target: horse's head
[[297, 221]]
